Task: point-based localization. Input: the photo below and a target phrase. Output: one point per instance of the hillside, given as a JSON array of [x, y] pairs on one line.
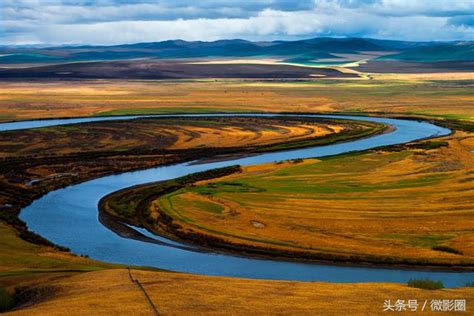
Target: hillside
[[462, 51], [114, 292], [302, 50]]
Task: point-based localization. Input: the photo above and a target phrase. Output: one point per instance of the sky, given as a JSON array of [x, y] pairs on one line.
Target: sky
[[108, 22]]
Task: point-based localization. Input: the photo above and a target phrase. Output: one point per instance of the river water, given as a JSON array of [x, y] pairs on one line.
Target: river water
[[69, 216]]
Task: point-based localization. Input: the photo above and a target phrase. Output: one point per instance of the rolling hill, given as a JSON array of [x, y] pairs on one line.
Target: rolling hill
[[459, 51], [301, 50]]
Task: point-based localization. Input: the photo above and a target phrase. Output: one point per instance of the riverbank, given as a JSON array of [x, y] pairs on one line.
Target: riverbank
[[36, 155], [59, 205], [216, 210]]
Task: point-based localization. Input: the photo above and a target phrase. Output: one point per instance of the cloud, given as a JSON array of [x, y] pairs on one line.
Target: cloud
[[463, 20], [120, 21]]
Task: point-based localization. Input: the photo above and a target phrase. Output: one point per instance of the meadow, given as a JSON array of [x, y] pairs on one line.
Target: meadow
[[34, 162], [112, 292], [37, 161], [436, 95], [368, 205], [147, 134], [405, 205]]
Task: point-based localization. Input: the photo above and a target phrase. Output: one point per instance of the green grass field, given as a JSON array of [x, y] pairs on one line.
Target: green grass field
[[380, 203], [21, 257]]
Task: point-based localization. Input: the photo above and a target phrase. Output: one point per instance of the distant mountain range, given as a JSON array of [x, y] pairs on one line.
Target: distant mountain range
[[301, 51], [458, 51]]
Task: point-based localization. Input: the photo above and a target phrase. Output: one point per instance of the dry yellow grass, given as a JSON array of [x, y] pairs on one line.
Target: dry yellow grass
[[232, 136], [392, 204], [398, 94], [162, 134], [111, 292], [426, 76]]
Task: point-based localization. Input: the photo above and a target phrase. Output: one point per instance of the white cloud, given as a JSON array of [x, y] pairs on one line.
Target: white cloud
[[114, 21]]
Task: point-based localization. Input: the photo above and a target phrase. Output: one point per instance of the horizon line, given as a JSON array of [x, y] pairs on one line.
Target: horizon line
[[46, 45]]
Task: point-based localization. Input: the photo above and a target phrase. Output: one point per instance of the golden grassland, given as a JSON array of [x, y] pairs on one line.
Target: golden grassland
[[111, 292], [394, 204], [231, 136], [161, 134], [46, 158], [57, 156], [426, 76], [442, 176], [404, 94], [37, 161]]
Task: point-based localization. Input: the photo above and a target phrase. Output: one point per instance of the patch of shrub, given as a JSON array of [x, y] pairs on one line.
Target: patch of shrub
[[458, 125], [25, 295], [429, 145], [296, 161], [447, 249], [425, 145], [425, 284], [6, 300], [469, 284]]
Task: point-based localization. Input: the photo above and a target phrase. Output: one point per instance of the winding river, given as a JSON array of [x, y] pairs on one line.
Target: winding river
[[69, 216]]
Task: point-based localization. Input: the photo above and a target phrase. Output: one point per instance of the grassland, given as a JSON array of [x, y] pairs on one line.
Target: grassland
[[20, 257], [409, 205], [398, 94], [34, 162], [167, 133], [23, 264], [408, 178], [112, 292]]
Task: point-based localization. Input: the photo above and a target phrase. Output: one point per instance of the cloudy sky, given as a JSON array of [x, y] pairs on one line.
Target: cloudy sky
[[129, 21]]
